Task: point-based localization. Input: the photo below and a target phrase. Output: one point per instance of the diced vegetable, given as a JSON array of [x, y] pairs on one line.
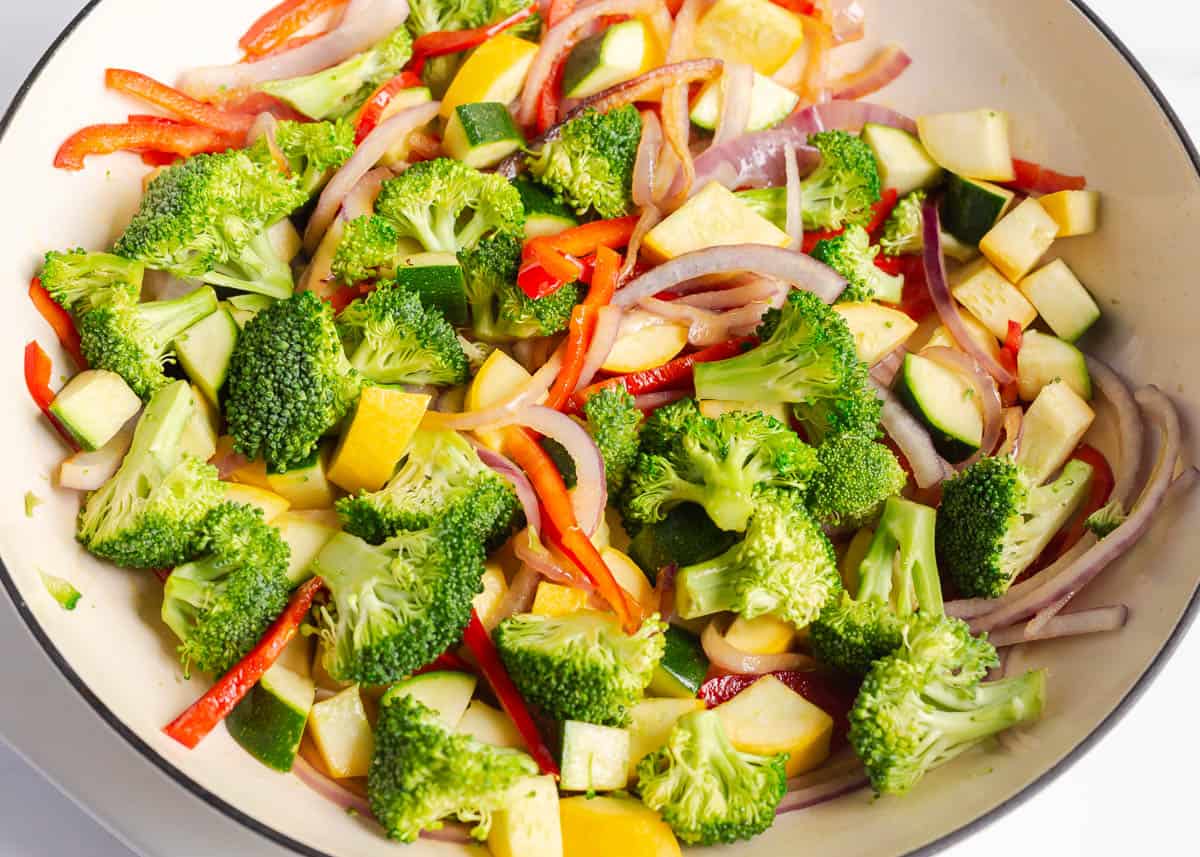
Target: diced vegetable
[[1053, 426], [648, 343], [61, 590], [878, 330], [617, 54], [528, 824], [498, 379], [1061, 300], [553, 599], [270, 721], [271, 504], [855, 553], [604, 826], [446, 692], [903, 162], [481, 134], [1022, 236], [1077, 212], [970, 208], [630, 578], [756, 32], [1045, 359], [594, 758], [489, 725], [973, 143], [762, 635], [305, 538], [991, 298], [650, 722], [438, 279], [945, 402], [495, 587], [954, 249], [713, 217], [379, 432], [683, 667], [495, 71], [306, 485], [94, 405], [204, 350], [769, 717], [245, 307], [770, 103], [343, 736]]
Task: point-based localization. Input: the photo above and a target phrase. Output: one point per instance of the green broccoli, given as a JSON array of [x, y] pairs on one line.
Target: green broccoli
[[134, 339], [392, 338], [807, 357], [397, 606], [147, 515], [902, 230], [370, 249], [994, 522], [78, 280], [289, 382], [339, 91], [844, 186], [447, 206], [590, 163], [857, 475], [314, 150], [500, 311], [913, 714], [207, 218], [439, 470], [1107, 518], [220, 605], [784, 567], [421, 772], [705, 789], [581, 666], [614, 422], [852, 256], [897, 576], [430, 16]]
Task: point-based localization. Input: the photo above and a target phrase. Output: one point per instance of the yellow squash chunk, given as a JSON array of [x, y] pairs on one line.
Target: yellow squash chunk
[[1022, 236], [306, 486], [762, 635], [628, 576], [252, 473], [343, 736], [553, 599], [769, 717], [495, 587], [1077, 212], [991, 298], [713, 408], [1053, 426], [494, 72], [272, 504], [379, 432], [529, 824], [489, 725], [305, 537], [877, 330], [644, 343], [605, 826], [498, 379], [650, 722], [749, 31], [855, 553], [714, 217], [978, 333]]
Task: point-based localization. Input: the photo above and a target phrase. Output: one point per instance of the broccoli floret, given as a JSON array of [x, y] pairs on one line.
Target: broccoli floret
[[581, 666], [133, 339], [392, 338], [902, 231], [721, 464], [844, 186], [994, 521], [220, 605], [1107, 518], [614, 422], [148, 514], [852, 256], [784, 567], [396, 607], [207, 219], [314, 150], [447, 206], [590, 163], [289, 382], [369, 249], [808, 358], [78, 280], [421, 772], [336, 92], [897, 576], [500, 311], [439, 471], [705, 789], [857, 475], [914, 714]]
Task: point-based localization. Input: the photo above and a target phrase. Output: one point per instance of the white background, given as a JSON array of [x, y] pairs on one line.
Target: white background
[[1125, 797]]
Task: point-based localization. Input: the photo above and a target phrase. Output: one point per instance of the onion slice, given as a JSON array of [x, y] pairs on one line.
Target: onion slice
[[883, 68], [847, 20], [647, 220], [1095, 621], [884, 372], [737, 84], [548, 562], [822, 792], [518, 598], [848, 116], [88, 471], [590, 495], [650, 84], [361, 199], [333, 792], [986, 393], [757, 289], [1012, 420], [790, 266], [914, 442], [794, 221], [517, 478], [503, 413], [1129, 428], [725, 656], [647, 160], [604, 337], [756, 160]]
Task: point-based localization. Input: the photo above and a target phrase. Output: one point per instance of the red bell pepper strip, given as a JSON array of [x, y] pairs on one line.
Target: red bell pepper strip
[[832, 695], [882, 210], [549, 262], [59, 319], [536, 282], [811, 238], [179, 139], [190, 728], [456, 41], [799, 7], [376, 105], [558, 10], [672, 374], [552, 260], [481, 646], [1034, 178], [585, 239], [173, 101], [446, 661], [583, 325], [281, 23], [254, 103], [1008, 359], [37, 381]]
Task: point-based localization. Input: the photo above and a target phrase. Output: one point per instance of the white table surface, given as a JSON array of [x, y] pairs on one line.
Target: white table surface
[[1125, 795]]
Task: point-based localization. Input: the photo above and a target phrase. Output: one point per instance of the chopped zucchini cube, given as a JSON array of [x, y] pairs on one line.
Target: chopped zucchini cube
[[970, 208], [270, 720], [627, 574], [683, 667], [200, 435], [1077, 212], [991, 298], [877, 330], [903, 162], [610, 57], [438, 279], [498, 378], [1022, 236], [770, 103], [481, 134], [270, 503], [446, 692], [1061, 300], [305, 538], [1053, 426], [343, 735], [306, 484], [94, 405], [973, 143], [646, 342], [544, 214], [945, 402], [755, 32], [714, 217], [1045, 359], [604, 826], [594, 758], [204, 350]]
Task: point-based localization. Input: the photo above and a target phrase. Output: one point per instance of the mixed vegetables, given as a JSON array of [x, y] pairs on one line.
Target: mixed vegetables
[[526, 401]]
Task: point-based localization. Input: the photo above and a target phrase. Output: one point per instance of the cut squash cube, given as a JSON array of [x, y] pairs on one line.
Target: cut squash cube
[[991, 298], [1020, 239], [489, 725], [1061, 300], [553, 599], [762, 635], [645, 342], [343, 736], [528, 825], [487, 602], [494, 71], [271, 504], [973, 143], [628, 574], [604, 826], [306, 485], [714, 217], [650, 724], [498, 379], [877, 330], [1053, 426], [756, 32], [305, 538], [379, 432], [769, 717], [1077, 212]]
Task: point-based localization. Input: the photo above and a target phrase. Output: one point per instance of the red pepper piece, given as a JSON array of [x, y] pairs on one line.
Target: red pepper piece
[[377, 104], [173, 101], [1101, 491], [456, 41], [882, 210], [59, 319], [37, 381], [1034, 178], [281, 23], [178, 139]]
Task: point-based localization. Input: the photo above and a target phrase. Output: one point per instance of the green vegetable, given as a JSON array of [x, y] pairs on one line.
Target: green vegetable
[[784, 567], [289, 382], [590, 163], [431, 16], [207, 218], [705, 789], [857, 475], [422, 772], [481, 134], [581, 666], [684, 536], [902, 229], [148, 514], [78, 280], [615, 425], [807, 357], [32, 501], [314, 150], [852, 256], [1102, 521], [721, 464], [844, 186], [220, 605], [683, 667], [61, 591]]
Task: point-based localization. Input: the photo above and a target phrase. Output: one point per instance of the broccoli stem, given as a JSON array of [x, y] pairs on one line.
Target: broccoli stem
[[912, 580], [168, 319], [258, 269], [993, 707], [707, 587]]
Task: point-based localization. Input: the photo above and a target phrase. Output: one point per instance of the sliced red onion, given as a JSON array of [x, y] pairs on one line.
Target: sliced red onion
[[883, 68], [503, 413], [645, 86], [518, 598], [737, 83], [884, 372], [647, 220], [88, 471], [757, 289], [365, 23], [1035, 625], [647, 159], [604, 337], [799, 269], [913, 440], [648, 402], [677, 169], [725, 656], [794, 221], [517, 478], [1013, 420], [318, 276], [547, 562], [361, 199], [846, 116], [986, 393], [590, 495], [943, 301], [756, 160], [1095, 621], [1130, 432], [333, 792], [822, 792], [374, 147]]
